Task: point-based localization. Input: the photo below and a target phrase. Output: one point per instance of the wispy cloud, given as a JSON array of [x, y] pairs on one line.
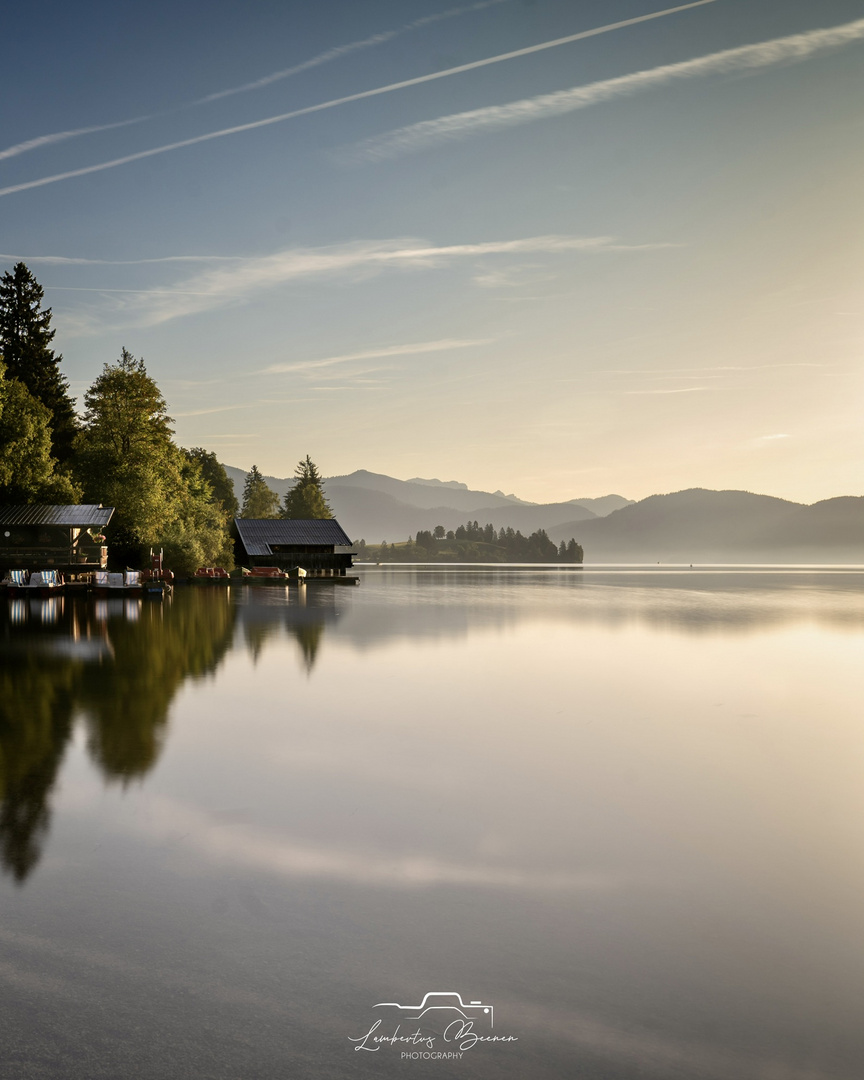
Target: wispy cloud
[[221, 408], [461, 125], [445, 345], [335, 102], [65, 260], [763, 439], [702, 371], [222, 285], [236, 435], [680, 390]]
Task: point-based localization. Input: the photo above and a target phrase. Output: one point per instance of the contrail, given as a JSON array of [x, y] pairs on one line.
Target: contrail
[[62, 136], [344, 50], [460, 125], [335, 102], [315, 61]]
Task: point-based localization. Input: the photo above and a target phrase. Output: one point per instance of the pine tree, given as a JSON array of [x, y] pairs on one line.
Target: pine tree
[[306, 500], [125, 455], [25, 340], [574, 551], [259, 499], [126, 458]]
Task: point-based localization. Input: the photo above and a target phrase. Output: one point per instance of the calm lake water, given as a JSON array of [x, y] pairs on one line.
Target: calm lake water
[[623, 810]]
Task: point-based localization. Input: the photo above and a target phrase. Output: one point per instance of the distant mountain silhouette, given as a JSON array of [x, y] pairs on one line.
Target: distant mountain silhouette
[[693, 526], [698, 525], [377, 507]]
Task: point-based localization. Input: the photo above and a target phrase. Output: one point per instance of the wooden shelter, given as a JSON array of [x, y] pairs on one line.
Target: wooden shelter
[[290, 544], [66, 538]]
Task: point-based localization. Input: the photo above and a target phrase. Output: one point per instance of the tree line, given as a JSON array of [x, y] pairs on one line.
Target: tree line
[[303, 501], [474, 543], [121, 452]]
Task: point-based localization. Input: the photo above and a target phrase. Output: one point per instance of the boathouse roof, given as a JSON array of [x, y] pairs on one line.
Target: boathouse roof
[[259, 535], [82, 516]]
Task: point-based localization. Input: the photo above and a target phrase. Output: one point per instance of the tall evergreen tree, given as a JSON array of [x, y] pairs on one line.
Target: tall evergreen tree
[[126, 458], [25, 343], [306, 500], [259, 499]]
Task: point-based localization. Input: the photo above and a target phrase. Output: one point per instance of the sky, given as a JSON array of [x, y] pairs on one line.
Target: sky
[[561, 248]]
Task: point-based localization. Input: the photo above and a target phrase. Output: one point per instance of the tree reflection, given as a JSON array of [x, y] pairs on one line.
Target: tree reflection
[[126, 703], [35, 725], [266, 615], [117, 663]]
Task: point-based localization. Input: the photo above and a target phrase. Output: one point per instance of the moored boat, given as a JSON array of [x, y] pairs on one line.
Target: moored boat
[[45, 583], [107, 583], [15, 582]]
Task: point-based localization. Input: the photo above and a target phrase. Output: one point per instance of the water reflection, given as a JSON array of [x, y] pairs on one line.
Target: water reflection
[[115, 663], [456, 603], [267, 614], [626, 809]]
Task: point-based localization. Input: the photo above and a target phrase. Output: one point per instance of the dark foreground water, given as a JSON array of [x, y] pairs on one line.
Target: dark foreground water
[[622, 811]]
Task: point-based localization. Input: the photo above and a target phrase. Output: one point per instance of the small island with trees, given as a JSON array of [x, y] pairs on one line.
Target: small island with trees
[[473, 543]]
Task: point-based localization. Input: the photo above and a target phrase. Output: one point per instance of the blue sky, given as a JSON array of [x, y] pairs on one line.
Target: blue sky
[[629, 261]]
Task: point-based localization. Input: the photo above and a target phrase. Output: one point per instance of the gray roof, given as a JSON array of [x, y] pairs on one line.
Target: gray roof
[[73, 517], [258, 534]]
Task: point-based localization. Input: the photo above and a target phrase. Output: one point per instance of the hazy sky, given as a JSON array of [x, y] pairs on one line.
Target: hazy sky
[[630, 261]]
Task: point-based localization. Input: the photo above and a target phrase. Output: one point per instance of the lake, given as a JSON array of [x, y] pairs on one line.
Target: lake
[[563, 823]]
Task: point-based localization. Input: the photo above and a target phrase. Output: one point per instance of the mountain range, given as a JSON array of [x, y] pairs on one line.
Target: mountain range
[[697, 525]]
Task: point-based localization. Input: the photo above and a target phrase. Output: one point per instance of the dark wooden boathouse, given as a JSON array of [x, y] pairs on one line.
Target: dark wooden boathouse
[[66, 538], [290, 544]]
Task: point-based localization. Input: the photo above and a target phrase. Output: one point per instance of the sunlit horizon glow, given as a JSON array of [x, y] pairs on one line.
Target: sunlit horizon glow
[[657, 292]]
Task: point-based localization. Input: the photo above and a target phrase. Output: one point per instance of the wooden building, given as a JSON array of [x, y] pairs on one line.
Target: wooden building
[[291, 544], [67, 538]]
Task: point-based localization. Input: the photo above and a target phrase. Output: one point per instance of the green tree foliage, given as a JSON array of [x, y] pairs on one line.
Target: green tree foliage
[[306, 499], [28, 472], [197, 534], [213, 471], [126, 458], [25, 343], [259, 499]]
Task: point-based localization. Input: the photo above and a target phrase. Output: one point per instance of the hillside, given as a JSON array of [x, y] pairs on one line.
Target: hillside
[[723, 526], [377, 507], [697, 525]]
